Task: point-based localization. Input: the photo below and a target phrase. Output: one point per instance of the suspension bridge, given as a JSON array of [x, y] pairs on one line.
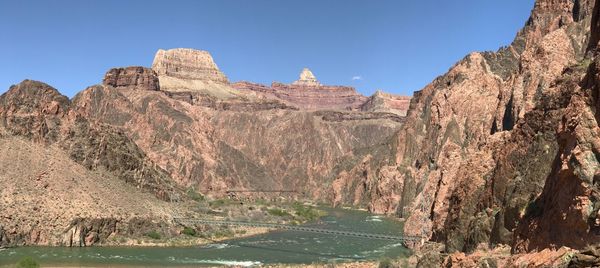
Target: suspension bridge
[[194, 221]]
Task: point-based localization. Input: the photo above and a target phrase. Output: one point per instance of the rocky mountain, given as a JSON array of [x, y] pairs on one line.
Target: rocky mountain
[[259, 148], [65, 180], [133, 78], [295, 137], [499, 150]]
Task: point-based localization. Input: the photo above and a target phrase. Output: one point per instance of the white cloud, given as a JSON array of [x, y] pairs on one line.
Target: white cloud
[[357, 77]]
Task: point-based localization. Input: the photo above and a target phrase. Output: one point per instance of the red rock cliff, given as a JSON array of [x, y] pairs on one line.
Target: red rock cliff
[[472, 155]]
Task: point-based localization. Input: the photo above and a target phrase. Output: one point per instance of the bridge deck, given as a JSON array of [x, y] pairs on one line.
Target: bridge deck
[[185, 221]]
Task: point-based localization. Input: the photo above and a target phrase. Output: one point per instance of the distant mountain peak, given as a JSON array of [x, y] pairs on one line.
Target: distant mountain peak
[[307, 78]]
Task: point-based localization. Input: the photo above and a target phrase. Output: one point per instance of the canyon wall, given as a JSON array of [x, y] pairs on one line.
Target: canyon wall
[[259, 148], [481, 148]]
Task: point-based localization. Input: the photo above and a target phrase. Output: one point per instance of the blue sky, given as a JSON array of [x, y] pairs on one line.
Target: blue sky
[[398, 46]]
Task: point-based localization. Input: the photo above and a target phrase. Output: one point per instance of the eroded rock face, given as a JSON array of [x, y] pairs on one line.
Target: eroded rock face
[[133, 77], [36, 111], [566, 211], [215, 149], [190, 70], [308, 97], [479, 142], [185, 63], [65, 180]]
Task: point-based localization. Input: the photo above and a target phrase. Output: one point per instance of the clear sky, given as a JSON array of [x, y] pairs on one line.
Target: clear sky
[[397, 45]]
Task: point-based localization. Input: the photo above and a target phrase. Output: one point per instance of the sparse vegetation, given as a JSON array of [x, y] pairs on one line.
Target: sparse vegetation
[[223, 233], [220, 202], [306, 212], [198, 197], [584, 64], [153, 235], [278, 212], [189, 231], [27, 262]]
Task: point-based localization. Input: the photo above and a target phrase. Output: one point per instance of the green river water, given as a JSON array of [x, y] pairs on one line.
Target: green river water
[[275, 247]]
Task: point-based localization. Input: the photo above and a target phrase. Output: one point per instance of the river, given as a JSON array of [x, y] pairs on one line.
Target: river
[[288, 247]]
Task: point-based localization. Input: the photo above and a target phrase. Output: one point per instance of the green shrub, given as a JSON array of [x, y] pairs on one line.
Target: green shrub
[[195, 195], [189, 231], [223, 233], [278, 212], [27, 262], [153, 235], [584, 64], [306, 212], [219, 202]]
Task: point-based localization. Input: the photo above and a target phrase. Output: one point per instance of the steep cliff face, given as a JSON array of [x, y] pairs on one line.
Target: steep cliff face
[[475, 150], [188, 64], [134, 77], [190, 70], [550, 163], [566, 212]]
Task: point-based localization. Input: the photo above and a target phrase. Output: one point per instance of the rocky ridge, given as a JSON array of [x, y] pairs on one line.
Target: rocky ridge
[[306, 93], [385, 102], [65, 160], [214, 150]]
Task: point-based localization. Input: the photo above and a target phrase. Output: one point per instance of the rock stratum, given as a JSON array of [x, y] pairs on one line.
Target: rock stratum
[[132, 78]]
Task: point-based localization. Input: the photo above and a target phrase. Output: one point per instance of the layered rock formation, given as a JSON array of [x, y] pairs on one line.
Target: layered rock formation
[[193, 76], [385, 102], [189, 64], [190, 70], [134, 77], [307, 93]]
